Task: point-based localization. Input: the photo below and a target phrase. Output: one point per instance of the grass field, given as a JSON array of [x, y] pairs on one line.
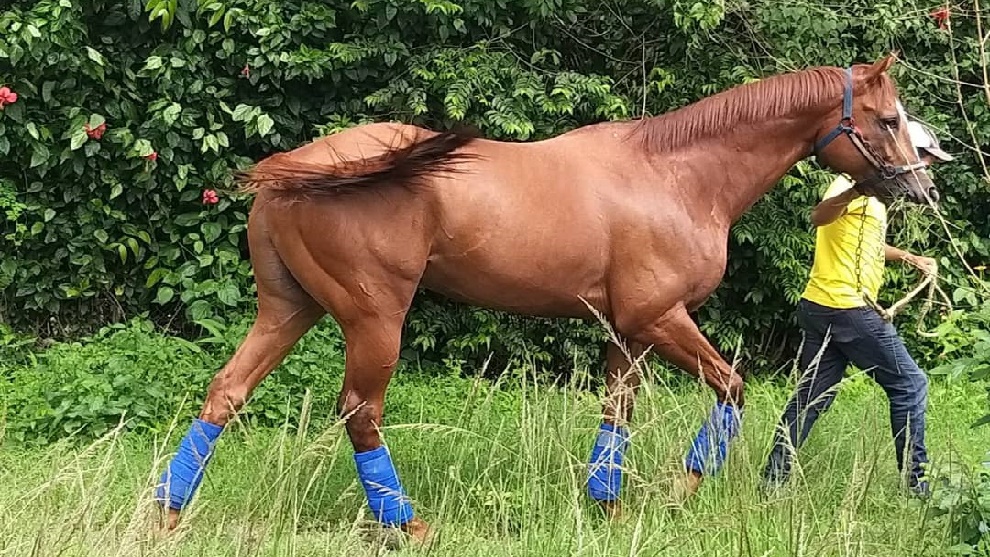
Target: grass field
[[498, 469]]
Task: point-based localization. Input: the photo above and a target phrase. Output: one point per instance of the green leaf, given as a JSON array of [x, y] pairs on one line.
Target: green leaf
[[153, 63], [229, 294], [199, 310], [49, 214], [101, 235], [187, 219], [154, 277], [46, 91], [172, 113], [982, 421], [211, 231], [165, 295], [95, 56], [132, 243], [265, 124], [116, 191], [39, 156], [79, 138], [4, 145], [142, 148], [241, 112], [216, 17], [32, 130]]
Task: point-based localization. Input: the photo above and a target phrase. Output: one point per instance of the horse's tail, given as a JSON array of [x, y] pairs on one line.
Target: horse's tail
[[404, 166]]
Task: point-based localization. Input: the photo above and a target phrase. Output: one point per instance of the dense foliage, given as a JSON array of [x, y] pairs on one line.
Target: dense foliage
[[131, 114]]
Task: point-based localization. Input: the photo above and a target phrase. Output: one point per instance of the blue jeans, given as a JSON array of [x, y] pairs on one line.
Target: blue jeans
[[834, 338]]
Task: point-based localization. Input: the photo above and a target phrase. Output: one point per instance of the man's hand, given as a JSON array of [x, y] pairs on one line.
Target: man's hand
[[924, 264]]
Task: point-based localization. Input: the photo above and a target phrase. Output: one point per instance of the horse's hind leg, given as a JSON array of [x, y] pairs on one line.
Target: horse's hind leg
[[676, 338], [372, 353], [285, 313], [607, 455]]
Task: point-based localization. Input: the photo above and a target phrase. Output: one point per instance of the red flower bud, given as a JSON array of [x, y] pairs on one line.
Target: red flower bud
[[210, 197], [246, 71], [97, 132], [941, 17], [152, 156]]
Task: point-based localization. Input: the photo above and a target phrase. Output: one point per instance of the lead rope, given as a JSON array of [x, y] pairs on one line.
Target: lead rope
[[929, 279]]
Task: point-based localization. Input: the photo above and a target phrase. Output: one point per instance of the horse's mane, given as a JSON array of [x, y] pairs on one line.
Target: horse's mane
[[743, 104]]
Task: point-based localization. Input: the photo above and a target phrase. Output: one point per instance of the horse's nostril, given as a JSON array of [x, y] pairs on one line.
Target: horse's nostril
[[933, 194]]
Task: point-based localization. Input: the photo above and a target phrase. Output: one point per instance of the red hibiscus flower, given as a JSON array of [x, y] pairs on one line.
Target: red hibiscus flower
[[7, 97], [210, 197]]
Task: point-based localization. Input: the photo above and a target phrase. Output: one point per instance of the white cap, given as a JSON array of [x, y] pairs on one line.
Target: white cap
[[924, 140]]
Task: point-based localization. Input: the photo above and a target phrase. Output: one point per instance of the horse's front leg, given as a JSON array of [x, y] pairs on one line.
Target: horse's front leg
[[371, 356], [676, 338], [607, 456]]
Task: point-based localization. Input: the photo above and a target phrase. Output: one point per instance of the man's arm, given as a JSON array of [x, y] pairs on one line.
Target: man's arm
[[924, 264], [832, 208]]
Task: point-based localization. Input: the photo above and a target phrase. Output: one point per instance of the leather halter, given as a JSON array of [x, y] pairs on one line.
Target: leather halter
[[884, 170]]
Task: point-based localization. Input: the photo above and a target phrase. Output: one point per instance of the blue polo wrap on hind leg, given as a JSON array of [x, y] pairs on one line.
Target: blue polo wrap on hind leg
[[605, 464], [182, 477], [386, 498], [711, 445]]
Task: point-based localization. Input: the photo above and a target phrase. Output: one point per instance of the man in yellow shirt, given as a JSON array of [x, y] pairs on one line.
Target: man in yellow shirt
[[840, 327]]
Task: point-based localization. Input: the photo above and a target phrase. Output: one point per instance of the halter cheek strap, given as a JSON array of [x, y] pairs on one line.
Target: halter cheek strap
[[846, 123]]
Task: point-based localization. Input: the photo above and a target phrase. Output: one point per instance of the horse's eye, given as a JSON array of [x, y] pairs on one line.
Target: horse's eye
[[892, 123]]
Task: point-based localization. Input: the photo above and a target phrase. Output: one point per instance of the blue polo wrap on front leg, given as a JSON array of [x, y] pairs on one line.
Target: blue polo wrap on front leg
[[711, 445], [386, 498], [180, 480], [605, 464]]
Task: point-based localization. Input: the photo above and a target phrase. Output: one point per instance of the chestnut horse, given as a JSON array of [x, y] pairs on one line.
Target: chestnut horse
[[628, 218]]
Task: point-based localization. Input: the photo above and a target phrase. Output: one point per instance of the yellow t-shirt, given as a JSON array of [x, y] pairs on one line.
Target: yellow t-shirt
[[833, 275]]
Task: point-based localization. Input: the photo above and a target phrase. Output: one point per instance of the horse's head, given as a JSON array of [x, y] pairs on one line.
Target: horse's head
[[868, 138]]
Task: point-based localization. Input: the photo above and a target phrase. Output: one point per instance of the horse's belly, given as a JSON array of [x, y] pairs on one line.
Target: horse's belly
[[550, 287]]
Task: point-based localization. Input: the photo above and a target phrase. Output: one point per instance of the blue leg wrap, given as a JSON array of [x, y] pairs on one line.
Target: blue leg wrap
[[386, 498], [605, 464], [184, 473], [715, 435]]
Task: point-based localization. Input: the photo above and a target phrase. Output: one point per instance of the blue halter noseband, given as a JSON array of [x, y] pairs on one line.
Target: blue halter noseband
[[885, 170]]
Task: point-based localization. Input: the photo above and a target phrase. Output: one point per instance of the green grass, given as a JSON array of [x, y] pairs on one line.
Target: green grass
[[498, 470]]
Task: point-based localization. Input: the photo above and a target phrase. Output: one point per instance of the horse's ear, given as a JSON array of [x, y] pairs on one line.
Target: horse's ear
[[880, 67]]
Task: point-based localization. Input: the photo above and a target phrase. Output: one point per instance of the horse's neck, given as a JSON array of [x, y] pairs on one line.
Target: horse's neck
[[741, 166]]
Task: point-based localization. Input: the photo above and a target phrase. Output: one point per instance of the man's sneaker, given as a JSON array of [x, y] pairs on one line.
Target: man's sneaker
[[921, 489]]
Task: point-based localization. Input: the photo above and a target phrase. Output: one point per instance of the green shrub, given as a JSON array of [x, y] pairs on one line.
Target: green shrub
[[102, 225], [133, 373], [963, 499]]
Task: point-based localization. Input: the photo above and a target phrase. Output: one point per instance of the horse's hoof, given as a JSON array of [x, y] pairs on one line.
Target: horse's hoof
[[612, 509], [419, 532], [685, 487], [172, 521]]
